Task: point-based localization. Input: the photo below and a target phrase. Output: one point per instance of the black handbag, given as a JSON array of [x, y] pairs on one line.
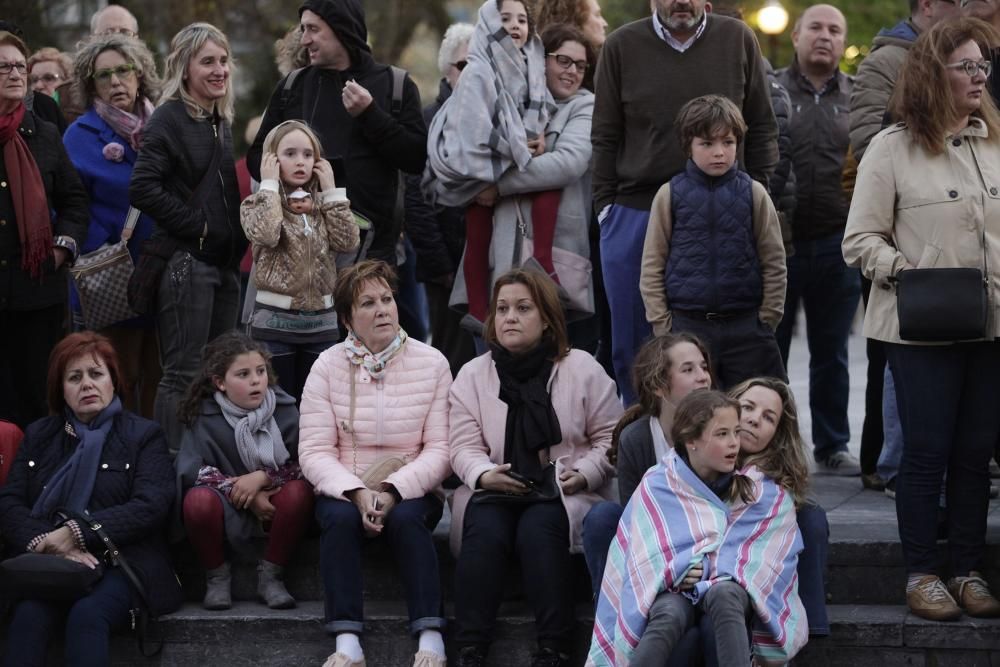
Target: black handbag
[[48, 577], [540, 493], [939, 305]]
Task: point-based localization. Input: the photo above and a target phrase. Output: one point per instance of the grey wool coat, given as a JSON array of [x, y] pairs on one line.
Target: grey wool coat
[[565, 165]]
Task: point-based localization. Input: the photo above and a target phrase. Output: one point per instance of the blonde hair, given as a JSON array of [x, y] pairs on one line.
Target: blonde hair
[[783, 460], [183, 48], [134, 51], [282, 130], [48, 54]]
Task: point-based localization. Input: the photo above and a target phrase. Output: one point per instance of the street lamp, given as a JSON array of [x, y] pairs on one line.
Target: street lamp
[[772, 19]]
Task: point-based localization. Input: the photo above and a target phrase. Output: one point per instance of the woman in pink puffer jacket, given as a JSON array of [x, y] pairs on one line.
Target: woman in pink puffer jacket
[[373, 440]]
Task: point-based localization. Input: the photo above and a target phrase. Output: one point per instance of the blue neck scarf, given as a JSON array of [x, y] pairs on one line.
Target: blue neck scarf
[[71, 486]]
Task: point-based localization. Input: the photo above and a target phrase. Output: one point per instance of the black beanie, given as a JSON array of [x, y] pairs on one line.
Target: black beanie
[[347, 20]]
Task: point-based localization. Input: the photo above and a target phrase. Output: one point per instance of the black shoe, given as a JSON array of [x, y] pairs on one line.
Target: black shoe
[[547, 657], [471, 656]]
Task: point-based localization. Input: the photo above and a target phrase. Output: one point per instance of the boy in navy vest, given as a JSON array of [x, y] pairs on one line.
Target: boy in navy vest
[[713, 263]]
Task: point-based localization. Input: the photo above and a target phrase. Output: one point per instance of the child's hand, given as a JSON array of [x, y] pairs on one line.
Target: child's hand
[[324, 172], [537, 145], [269, 169], [261, 504], [692, 577], [245, 487], [488, 197], [572, 481], [356, 98]]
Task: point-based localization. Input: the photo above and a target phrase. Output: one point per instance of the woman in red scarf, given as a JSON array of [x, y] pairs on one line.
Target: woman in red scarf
[[43, 220]]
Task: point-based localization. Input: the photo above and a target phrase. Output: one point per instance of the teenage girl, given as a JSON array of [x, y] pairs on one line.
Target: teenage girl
[[238, 472]]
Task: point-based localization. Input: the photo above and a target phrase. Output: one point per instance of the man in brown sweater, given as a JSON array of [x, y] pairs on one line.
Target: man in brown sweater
[[648, 70]]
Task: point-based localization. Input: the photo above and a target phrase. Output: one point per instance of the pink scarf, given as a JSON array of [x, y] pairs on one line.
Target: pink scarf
[[125, 124]]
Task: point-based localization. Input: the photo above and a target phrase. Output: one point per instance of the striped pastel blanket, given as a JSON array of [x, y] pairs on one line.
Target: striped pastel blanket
[[674, 521]]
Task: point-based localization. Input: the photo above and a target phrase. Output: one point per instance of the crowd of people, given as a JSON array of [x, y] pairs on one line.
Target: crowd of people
[[612, 263]]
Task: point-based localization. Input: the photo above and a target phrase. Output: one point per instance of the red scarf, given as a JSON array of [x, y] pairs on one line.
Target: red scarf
[[28, 192]]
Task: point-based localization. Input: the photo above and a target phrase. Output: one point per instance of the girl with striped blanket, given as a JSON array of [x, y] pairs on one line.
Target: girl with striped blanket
[[697, 539]]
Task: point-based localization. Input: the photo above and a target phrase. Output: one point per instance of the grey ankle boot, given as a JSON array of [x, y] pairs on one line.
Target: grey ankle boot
[[271, 586], [217, 588]]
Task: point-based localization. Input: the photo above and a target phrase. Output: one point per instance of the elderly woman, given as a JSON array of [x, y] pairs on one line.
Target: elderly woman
[[120, 85], [926, 198], [43, 220], [373, 440], [91, 456], [564, 166], [531, 424], [196, 208], [48, 69]]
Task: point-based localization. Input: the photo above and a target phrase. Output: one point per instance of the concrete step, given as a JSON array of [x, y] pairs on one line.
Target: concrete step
[[250, 634]]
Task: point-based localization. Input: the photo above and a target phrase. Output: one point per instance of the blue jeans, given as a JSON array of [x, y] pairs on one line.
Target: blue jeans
[[196, 303], [89, 622], [408, 529], [947, 406], [811, 569], [830, 291], [411, 299], [623, 233], [892, 439], [599, 527]]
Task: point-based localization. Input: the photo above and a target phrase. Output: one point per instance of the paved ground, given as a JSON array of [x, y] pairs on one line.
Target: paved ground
[[855, 514]]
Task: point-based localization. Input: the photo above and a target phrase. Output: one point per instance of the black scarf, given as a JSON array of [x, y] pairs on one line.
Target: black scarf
[[532, 424]]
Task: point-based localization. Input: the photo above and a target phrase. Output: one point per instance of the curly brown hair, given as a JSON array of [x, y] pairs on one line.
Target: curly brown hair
[[922, 97], [574, 12], [216, 360]]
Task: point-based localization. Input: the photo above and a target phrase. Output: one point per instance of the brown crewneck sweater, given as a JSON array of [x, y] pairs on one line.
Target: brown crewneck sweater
[[642, 82]]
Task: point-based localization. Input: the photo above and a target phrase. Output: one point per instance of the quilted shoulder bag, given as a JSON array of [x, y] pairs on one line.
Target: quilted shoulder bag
[[102, 277]]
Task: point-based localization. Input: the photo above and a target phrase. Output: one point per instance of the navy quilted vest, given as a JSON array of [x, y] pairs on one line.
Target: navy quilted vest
[[713, 264]]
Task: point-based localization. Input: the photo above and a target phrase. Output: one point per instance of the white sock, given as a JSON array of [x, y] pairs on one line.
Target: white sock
[[431, 640], [349, 644]]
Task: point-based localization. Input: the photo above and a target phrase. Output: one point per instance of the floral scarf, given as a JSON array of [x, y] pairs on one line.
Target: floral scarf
[[125, 124], [376, 364]]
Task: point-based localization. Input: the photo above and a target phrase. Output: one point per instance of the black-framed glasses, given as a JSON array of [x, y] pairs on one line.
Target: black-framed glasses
[[6, 68], [122, 71], [566, 62], [460, 65], [48, 77], [971, 67]]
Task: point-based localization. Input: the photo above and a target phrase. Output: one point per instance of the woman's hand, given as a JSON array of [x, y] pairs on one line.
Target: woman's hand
[[59, 542], [386, 502], [245, 487], [537, 145], [572, 481], [497, 479], [269, 169], [488, 197], [368, 505], [692, 577], [261, 504], [324, 172], [85, 557]]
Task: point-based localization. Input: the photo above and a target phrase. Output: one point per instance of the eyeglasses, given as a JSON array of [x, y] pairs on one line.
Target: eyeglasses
[[6, 68], [122, 72], [50, 77], [460, 65], [971, 67], [119, 31], [566, 62]]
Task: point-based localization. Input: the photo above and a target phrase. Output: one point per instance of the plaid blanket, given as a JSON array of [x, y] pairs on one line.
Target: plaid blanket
[[482, 130], [673, 522]]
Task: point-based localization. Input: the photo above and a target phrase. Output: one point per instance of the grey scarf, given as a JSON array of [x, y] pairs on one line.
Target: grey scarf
[[258, 439]]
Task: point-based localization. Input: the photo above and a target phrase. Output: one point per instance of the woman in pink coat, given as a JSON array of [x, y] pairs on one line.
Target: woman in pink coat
[[531, 424], [373, 440]]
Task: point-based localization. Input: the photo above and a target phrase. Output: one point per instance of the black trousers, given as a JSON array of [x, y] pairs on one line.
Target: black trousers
[[538, 534], [27, 338], [871, 431], [447, 334]]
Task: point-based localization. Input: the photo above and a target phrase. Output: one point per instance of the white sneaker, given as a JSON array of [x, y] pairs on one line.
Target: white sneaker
[[843, 464]]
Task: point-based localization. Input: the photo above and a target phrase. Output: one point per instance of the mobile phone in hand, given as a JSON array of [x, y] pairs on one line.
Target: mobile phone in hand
[[518, 477]]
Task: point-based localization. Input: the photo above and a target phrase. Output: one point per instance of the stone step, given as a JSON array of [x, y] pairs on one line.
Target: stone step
[[250, 634]]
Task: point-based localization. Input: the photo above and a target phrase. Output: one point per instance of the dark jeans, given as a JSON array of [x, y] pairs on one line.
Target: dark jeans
[[539, 534], [871, 431], [408, 529], [196, 303], [411, 299], [89, 622], [27, 338], [599, 527], [293, 361], [741, 347], [447, 334], [947, 407], [829, 290]]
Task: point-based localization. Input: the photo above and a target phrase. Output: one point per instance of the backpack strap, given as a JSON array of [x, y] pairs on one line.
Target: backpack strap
[[398, 78], [286, 90]]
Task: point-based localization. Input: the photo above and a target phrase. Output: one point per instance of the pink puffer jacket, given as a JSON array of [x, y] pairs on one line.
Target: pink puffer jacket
[[404, 415]]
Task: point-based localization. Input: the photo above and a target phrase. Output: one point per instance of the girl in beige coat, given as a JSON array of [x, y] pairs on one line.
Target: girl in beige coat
[[296, 223]]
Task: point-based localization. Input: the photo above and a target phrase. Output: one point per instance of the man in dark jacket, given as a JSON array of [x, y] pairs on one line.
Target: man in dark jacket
[[438, 232], [817, 275], [346, 97]]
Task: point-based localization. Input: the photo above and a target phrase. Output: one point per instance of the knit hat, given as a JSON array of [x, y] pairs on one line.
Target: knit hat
[[347, 20]]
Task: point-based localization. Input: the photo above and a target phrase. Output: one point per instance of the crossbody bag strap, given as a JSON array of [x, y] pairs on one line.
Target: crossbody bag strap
[[130, 221]]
